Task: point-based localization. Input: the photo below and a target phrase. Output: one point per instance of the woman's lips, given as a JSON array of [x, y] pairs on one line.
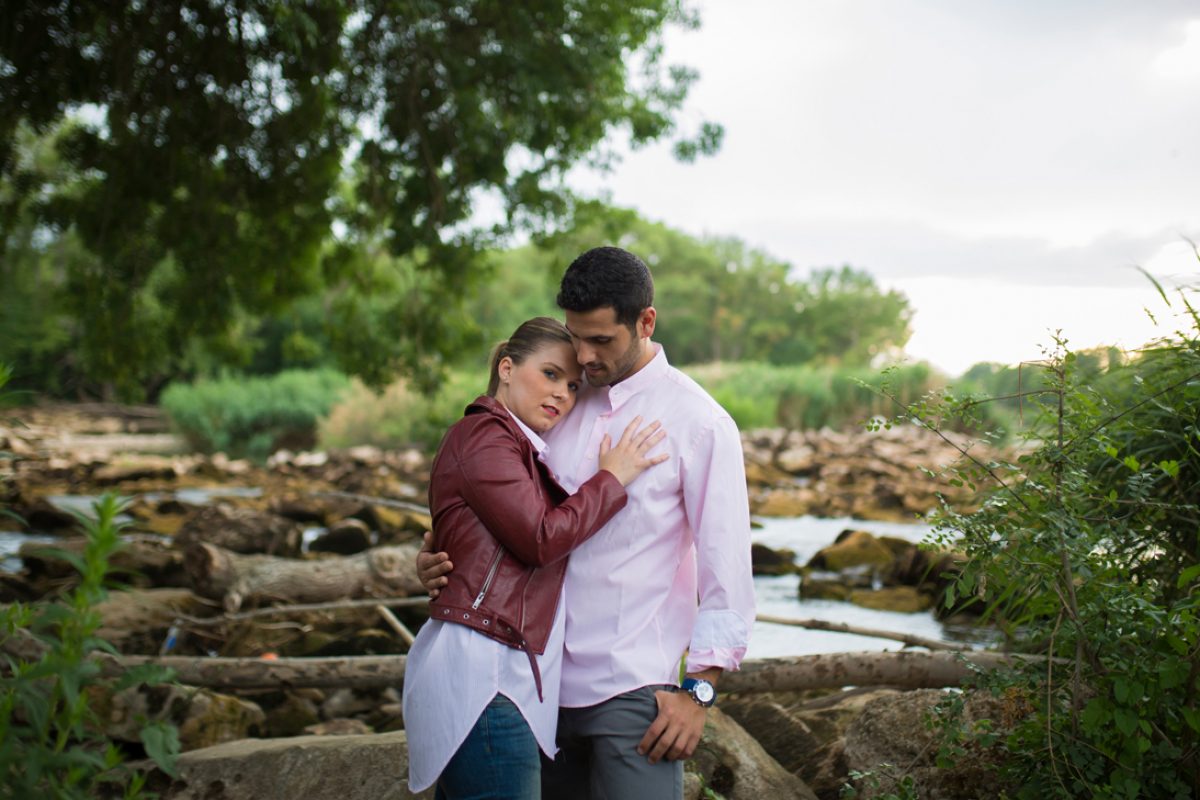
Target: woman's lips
[[551, 410]]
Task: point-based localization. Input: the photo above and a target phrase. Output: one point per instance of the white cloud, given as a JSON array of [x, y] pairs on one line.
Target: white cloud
[[1181, 62]]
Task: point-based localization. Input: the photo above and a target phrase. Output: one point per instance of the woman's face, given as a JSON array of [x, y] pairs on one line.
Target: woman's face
[[541, 390]]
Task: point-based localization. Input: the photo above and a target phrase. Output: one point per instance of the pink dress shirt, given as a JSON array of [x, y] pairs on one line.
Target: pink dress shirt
[[631, 590]]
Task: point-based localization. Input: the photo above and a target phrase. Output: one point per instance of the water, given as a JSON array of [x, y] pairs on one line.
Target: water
[[779, 596]]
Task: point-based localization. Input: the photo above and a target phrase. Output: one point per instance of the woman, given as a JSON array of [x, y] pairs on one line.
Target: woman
[[481, 695]]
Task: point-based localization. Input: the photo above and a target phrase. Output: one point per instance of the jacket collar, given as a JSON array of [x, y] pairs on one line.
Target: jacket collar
[[490, 405]]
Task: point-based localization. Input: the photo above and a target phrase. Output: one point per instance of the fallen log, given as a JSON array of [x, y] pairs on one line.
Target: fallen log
[[906, 670], [283, 611], [841, 627], [233, 578]]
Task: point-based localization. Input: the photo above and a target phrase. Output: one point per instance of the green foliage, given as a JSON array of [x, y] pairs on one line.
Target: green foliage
[[400, 416], [253, 417], [720, 300], [1088, 550], [214, 162], [50, 739], [806, 397]]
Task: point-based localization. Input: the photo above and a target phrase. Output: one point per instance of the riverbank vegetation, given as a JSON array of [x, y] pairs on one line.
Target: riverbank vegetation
[[1087, 550]]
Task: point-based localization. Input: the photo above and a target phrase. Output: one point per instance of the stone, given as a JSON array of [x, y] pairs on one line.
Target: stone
[[804, 734], [292, 716], [765, 561], [339, 727], [309, 767], [903, 599], [852, 549], [729, 762], [795, 502], [203, 717], [241, 530]]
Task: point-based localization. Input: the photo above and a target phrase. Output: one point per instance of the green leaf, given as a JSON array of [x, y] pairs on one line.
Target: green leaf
[[1132, 463], [1125, 720], [1170, 467], [149, 674], [1187, 576], [162, 744]]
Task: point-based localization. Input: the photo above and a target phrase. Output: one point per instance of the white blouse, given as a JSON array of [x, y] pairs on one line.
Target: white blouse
[[453, 672]]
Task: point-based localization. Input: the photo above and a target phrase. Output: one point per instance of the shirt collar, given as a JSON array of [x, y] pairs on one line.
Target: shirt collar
[[641, 380], [539, 444]]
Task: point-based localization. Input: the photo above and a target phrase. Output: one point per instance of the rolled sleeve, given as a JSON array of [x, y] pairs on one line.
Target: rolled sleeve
[[714, 488]]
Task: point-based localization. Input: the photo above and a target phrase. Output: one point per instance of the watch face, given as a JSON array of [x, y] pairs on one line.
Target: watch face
[[704, 692]]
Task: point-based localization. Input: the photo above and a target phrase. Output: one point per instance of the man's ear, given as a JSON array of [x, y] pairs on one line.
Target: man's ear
[[645, 323]]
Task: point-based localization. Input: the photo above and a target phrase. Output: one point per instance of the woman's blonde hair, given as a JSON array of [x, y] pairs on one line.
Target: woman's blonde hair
[[527, 338]]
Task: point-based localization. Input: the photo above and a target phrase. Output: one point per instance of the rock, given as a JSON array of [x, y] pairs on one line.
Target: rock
[[241, 530], [824, 585], [346, 538], [796, 502], [339, 727], [797, 460], [852, 549], [126, 468], [893, 730], [765, 561], [346, 703], [729, 762], [309, 767], [903, 599], [203, 717], [292, 716], [804, 734]]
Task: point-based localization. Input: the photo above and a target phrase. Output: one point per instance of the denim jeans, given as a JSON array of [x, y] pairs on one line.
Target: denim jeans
[[499, 760]]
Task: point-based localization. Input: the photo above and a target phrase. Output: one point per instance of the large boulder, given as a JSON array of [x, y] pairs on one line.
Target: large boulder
[[903, 599], [311, 767], [241, 530], [804, 734], [732, 764], [852, 549]]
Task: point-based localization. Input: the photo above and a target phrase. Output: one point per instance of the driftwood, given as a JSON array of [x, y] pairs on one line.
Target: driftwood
[[304, 608], [142, 560], [233, 578], [841, 627], [907, 670]]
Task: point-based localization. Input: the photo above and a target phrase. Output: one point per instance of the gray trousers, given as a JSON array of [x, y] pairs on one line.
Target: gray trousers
[[598, 758]]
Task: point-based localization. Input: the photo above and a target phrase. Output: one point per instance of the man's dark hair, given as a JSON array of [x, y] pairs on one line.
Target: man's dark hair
[[608, 277]]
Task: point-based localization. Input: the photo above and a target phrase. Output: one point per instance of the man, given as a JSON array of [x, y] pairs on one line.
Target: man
[[625, 723]]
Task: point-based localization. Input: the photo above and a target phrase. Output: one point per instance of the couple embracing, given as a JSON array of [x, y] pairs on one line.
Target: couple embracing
[[588, 676]]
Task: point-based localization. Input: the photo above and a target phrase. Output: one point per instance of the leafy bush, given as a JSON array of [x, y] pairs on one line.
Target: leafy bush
[[51, 743], [1087, 550], [254, 416], [400, 416]]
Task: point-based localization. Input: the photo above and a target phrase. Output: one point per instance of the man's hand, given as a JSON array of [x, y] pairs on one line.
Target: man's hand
[[676, 731], [432, 568]]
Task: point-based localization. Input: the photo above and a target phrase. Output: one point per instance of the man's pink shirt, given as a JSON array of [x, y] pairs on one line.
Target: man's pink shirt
[[631, 590]]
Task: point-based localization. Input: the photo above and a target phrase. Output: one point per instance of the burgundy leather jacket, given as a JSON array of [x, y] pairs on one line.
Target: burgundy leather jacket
[[508, 527]]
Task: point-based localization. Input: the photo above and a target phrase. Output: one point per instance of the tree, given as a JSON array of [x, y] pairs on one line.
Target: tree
[[231, 158]]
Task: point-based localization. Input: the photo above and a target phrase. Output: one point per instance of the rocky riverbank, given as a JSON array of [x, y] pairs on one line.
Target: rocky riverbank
[[215, 546]]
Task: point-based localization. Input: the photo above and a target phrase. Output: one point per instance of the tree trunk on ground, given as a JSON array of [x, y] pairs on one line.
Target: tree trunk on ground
[[232, 578], [242, 530], [142, 561], [908, 670]]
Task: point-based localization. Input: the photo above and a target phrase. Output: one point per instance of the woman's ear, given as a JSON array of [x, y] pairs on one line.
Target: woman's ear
[[504, 369]]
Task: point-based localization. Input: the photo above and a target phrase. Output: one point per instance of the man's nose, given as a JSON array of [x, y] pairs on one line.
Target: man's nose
[[584, 354]]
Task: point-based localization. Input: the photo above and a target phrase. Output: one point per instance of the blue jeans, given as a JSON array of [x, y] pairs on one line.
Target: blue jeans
[[499, 760]]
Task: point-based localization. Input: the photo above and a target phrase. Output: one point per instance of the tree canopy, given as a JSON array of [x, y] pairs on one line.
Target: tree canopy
[[210, 162]]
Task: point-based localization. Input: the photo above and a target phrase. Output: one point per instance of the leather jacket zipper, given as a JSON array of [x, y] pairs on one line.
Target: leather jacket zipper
[[487, 581]]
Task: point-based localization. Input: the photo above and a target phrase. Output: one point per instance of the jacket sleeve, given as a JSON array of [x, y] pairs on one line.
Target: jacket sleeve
[[508, 500]]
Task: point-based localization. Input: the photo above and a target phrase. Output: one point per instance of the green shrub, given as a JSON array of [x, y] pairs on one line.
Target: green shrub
[[1086, 550], [51, 744], [252, 417], [400, 416]]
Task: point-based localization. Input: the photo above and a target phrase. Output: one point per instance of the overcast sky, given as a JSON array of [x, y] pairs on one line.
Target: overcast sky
[[1005, 164]]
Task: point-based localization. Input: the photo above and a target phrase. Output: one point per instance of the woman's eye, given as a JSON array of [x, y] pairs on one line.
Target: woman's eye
[[549, 373], [573, 386]]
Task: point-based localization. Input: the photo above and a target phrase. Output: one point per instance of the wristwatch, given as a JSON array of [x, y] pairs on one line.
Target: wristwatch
[[703, 692]]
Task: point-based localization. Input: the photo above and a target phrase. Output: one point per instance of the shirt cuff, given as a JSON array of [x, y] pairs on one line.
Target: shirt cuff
[[719, 639]]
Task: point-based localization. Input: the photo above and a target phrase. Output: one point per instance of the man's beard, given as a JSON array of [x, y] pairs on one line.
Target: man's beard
[[620, 369]]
